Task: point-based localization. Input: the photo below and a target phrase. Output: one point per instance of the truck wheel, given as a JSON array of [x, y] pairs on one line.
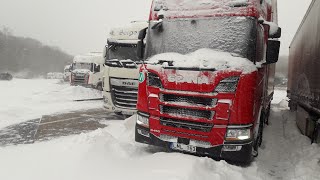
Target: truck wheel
[[118, 113], [99, 87], [258, 141], [266, 121]]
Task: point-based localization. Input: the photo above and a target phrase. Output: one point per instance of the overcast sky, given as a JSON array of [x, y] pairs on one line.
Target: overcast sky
[[81, 26]]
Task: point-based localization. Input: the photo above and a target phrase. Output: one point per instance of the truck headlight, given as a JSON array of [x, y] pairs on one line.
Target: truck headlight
[[154, 80], [228, 85], [143, 120], [238, 134]]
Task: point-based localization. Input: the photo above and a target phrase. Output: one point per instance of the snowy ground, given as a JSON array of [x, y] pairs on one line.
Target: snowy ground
[[111, 153], [25, 99]]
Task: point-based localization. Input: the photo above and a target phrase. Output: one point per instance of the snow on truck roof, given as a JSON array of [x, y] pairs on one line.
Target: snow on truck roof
[[128, 33], [89, 58], [207, 8]]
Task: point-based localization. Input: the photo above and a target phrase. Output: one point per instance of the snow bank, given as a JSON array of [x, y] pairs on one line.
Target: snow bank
[[110, 153], [22, 100], [207, 59]]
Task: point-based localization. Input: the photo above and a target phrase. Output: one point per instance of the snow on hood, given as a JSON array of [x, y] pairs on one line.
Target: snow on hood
[[206, 59], [81, 71]]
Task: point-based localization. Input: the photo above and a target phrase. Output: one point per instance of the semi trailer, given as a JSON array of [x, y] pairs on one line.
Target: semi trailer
[[207, 81], [304, 75]]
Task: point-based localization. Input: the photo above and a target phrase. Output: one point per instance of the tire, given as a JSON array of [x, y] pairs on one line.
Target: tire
[[118, 113], [99, 87], [258, 141], [267, 115]]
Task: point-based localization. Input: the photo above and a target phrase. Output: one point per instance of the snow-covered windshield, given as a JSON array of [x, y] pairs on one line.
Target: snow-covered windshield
[[123, 52], [229, 34], [82, 66]]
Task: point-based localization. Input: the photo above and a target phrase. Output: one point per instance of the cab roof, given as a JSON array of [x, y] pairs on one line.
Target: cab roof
[[89, 58], [172, 9], [128, 33]]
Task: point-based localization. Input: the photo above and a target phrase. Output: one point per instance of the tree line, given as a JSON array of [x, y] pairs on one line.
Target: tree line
[[20, 54]]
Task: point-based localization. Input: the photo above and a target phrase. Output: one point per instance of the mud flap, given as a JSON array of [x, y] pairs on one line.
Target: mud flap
[[304, 123], [316, 133]]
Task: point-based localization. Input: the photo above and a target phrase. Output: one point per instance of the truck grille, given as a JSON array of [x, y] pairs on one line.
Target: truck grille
[[197, 126], [79, 79], [183, 112], [188, 100], [125, 97]]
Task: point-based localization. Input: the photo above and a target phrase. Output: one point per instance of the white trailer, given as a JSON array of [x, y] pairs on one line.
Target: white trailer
[[120, 79], [87, 70]]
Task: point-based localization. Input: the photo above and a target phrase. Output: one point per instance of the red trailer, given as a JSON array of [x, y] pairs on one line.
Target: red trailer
[[207, 82], [304, 74]]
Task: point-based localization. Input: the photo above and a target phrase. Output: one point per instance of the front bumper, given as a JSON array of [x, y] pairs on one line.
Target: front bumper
[[81, 84], [143, 135], [110, 107]]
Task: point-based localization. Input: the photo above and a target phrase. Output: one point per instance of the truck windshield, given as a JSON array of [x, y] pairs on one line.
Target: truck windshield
[[229, 34], [82, 66], [123, 52]]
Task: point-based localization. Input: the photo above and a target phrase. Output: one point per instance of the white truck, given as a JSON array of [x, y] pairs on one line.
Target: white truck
[[121, 72], [87, 70]]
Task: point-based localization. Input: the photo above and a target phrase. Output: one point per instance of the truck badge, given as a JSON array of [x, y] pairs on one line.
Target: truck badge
[[141, 77]]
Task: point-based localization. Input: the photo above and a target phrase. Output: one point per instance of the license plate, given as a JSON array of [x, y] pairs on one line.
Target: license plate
[[183, 147]]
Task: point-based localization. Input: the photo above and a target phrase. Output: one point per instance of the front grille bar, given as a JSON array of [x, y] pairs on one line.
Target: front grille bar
[[183, 112], [189, 100], [124, 97], [198, 126]]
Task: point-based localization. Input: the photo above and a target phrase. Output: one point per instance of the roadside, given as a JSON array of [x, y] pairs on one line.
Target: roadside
[[26, 99]]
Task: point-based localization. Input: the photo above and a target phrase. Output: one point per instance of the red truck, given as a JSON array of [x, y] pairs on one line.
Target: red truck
[[304, 74], [207, 81]]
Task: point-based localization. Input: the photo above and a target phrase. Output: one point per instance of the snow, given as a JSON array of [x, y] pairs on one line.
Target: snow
[[81, 71], [189, 8], [207, 59], [112, 153], [273, 26], [129, 33], [25, 99]]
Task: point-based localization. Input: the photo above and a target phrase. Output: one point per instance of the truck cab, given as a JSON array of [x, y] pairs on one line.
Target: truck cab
[[121, 72], [86, 70], [207, 83]]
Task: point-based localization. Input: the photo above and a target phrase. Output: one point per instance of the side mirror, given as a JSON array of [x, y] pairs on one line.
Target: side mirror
[[273, 51], [274, 29], [140, 45], [275, 33], [142, 34], [105, 51], [140, 49]]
